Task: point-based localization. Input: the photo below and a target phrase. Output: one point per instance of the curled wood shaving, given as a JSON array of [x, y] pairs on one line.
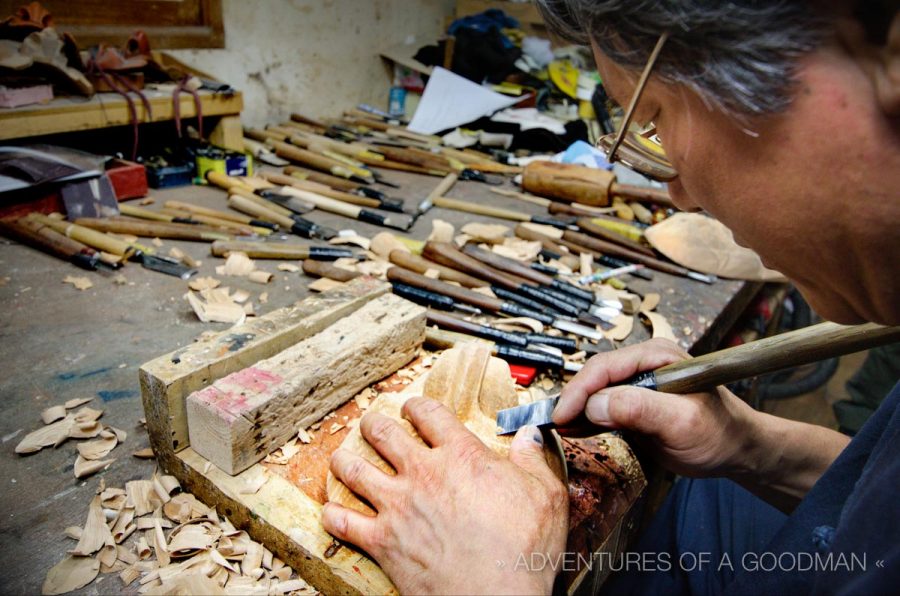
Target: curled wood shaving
[[650, 302], [289, 267], [146, 453], [53, 413], [74, 403], [71, 574], [623, 325], [323, 284], [489, 233], [374, 268], [96, 533], [237, 264], [363, 243], [85, 467], [73, 532], [661, 327], [50, 435], [441, 231], [204, 283], [94, 450], [81, 283], [260, 277], [283, 454], [384, 242], [518, 249], [520, 323]]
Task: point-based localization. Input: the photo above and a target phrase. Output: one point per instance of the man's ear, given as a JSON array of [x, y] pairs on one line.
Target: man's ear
[[887, 73]]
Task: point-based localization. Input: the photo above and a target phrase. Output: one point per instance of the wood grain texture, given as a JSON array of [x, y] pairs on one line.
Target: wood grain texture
[[241, 418], [169, 379]]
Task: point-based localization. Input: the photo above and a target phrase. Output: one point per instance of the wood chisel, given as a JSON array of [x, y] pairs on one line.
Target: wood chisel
[[589, 227], [441, 338], [281, 250], [438, 191], [106, 243], [221, 215], [561, 246], [316, 161], [491, 304], [794, 348], [414, 262], [295, 224], [580, 184], [385, 203], [260, 196], [223, 224], [337, 207], [146, 229], [508, 214], [47, 239], [322, 178], [513, 338]]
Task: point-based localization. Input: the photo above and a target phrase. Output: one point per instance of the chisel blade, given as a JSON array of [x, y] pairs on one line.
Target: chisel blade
[[576, 329], [167, 266], [539, 413]]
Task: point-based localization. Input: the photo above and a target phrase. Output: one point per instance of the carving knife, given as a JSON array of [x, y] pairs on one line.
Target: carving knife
[[794, 348]]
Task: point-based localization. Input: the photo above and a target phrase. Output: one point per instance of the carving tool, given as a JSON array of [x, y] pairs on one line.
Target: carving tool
[[52, 242], [604, 275], [384, 203], [489, 303], [580, 184], [441, 338], [608, 248], [260, 196], [316, 161], [295, 224], [137, 227], [414, 262], [323, 178], [561, 246], [512, 338], [500, 213], [794, 348], [114, 246], [337, 207], [588, 226], [263, 153], [224, 224], [438, 191], [221, 215], [281, 250]]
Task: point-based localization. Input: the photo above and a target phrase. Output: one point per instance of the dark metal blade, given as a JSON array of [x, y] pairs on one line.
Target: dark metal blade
[[538, 413], [167, 266]]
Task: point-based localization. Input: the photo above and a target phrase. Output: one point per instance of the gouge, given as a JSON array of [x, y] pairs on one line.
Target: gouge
[[441, 338], [794, 348], [322, 178], [513, 338], [580, 184], [222, 215], [137, 227], [508, 214], [414, 262], [589, 227], [295, 224], [385, 203], [315, 161], [339, 208], [281, 250]]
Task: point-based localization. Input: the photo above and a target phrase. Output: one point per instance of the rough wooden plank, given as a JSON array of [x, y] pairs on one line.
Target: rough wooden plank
[[241, 418], [168, 380]]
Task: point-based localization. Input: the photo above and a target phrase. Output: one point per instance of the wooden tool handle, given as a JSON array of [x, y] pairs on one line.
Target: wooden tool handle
[[237, 218], [313, 160], [568, 182], [810, 344], [225, 181], [608, 248], [593, 229], [443, 187], [452, 323], [149, 229], [479, 209], [321, 178], [222, 224], [414, 262], [133, 211], [261, 250], [323, 269], [321, 189], [439, 287], [642, 193], [557, 208], [429, 161], [37, 234], [323, 203], [507, 265], [93, 238], [447, 254], [245, 205]]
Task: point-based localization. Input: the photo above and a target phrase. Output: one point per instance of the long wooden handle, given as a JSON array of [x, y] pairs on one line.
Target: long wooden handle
[[608, 248], [439, 287], [224, 224], [92, 238], [327, 270], [414, 262], [443, 187], [261, 250], [479, 209], [810, 344], [308, 158], [507, 265], [245, 205], [321, 189], [642, 193], [593, 229], [447, 254], [321, 178], [133, 211], [227, 215], [322, 202], [149, 229], [47, 239]]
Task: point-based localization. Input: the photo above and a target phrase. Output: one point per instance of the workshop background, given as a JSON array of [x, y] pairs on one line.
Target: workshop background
[[191, 188]]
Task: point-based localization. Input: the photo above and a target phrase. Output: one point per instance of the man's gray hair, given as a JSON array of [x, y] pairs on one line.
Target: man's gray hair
[[740, 56]]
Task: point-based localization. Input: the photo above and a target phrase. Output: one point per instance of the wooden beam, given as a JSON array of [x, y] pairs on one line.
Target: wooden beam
[[169, 379], [239, 419]]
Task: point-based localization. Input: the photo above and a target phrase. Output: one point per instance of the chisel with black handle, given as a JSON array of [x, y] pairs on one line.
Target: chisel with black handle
[[704, 373], [513, 338], [443, 339], [281, 250]]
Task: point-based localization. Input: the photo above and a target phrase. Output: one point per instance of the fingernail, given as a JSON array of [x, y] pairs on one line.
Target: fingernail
[[537, 437], [597, 408]]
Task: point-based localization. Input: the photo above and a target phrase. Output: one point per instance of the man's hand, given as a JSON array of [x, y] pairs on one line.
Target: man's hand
[[700, 434], [457, 517]]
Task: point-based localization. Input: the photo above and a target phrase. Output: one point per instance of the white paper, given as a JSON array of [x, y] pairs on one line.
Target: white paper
[[450, 100], [528, 118]]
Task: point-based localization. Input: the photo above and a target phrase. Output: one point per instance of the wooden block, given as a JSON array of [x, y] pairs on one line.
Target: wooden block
[[243, 417], [631, 303], [168, 380]]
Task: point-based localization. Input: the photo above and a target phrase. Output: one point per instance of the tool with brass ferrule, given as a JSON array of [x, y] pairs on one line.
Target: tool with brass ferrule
[[491, 304], [794, 348], [281, 250]]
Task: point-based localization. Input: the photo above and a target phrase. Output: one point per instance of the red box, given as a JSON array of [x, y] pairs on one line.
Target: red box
[[129, 179]]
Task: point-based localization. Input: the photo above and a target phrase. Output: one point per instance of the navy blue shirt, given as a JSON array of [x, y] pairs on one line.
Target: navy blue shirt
[[846, 530]]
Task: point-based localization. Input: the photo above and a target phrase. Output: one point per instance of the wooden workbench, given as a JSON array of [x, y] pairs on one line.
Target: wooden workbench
[[61, 343]]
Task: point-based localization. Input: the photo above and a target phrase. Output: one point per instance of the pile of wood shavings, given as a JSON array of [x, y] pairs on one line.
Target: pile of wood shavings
[[170, 543]]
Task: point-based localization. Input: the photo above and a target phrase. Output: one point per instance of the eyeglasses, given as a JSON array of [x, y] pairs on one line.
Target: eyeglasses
[[639, 152]]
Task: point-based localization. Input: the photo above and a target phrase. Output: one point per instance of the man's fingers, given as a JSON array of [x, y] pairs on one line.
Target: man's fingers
[[609, 368], [351, 526], [643, 410], [527, 451], [360, 476], [434, 422], [389, 439]]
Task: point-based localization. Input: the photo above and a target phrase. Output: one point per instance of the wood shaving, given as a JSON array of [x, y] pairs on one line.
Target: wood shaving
[[303, 436], [94, 450], [586, 263], [252, 485], [81, 283], [72, 573], [204, 283], [147, 201], [74, 403], [240, 296], [216, 312], [519, 324], [374, 268], [323, 284], [289, 267], [484, 290], [363, 243], [50, 435], [156, 242], [96, 533], [489, 233], [441, 231], [623, 325], [346, 263], [238, 264], [248, 309], [686, 330], [384, 242], [283, 454], [260, 277], [84, 467], [264, 298], [120, 280], [53, 413], [650, 302], [661, 327], [518, 249]]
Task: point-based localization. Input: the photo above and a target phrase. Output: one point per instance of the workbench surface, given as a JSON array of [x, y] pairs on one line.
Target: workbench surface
[[60, 343]]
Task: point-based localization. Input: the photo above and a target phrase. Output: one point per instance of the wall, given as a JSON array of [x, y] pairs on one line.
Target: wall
[[314, 56]]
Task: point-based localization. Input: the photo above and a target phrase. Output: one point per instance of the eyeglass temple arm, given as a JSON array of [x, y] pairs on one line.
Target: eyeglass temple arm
[[642, 82]]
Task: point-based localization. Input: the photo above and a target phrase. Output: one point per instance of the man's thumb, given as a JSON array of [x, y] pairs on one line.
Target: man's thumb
[[527, 450], [635, 408]]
